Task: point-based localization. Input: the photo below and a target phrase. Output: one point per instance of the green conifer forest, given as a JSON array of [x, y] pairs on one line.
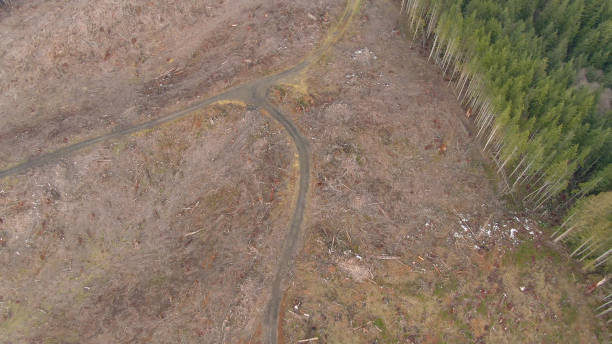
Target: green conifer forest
[[514, 66]]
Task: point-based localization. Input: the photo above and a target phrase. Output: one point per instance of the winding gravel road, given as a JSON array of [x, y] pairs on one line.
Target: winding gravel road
[[253, 94]]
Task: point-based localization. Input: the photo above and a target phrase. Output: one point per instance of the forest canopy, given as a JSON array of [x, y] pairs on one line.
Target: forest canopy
[[515, 66]]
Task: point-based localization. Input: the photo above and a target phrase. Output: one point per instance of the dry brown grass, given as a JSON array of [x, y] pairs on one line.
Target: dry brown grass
[[172, 234], [100, 241], [70, 70]]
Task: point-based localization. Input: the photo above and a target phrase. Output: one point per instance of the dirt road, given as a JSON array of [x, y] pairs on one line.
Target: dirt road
[[253, 94]]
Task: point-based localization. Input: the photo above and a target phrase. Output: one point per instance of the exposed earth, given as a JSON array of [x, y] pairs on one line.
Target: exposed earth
[[183, 222]]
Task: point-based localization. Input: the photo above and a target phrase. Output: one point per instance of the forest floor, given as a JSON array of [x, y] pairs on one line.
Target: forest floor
[[172, 234]]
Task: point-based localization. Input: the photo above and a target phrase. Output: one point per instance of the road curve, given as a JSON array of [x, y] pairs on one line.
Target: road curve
[[255, 94]]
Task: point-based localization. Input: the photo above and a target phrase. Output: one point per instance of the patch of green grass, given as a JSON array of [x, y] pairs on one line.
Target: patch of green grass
[[491, 174], [302, 102], [444, 287], [465, 329], [570, 312], [65, 339], [119, 147], [359, 159], [446, 315], [15, 315], [158, 281], [482, 308], [559, 337], [282, 91], [529, 252], [600, 332], [380, 323], [461, 326], [524, 255], [385, 334]]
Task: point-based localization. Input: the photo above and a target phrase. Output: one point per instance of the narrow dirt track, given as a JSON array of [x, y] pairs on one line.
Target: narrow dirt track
[[253, 94]]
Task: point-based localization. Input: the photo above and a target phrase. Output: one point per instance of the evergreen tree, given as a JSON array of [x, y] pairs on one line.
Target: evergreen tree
[[514, 64]]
